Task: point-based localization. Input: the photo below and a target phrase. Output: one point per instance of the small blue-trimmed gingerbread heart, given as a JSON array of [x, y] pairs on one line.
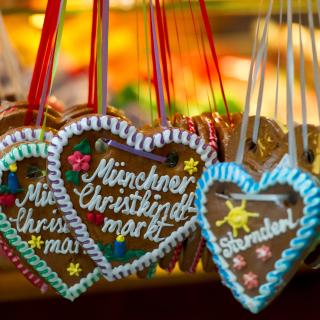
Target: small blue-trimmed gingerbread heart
[[258, 232]]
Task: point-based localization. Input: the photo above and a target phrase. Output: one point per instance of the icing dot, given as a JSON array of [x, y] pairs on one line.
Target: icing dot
[[117, 164], [157, 197], [121, 190], [123, 164]]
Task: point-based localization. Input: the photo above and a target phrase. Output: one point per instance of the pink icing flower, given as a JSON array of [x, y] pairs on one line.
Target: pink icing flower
[[79, 161], [250, 280], [263, 253], [239, 262]]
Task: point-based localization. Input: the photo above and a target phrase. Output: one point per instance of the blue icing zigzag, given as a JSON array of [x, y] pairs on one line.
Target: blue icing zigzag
[[303, 183]]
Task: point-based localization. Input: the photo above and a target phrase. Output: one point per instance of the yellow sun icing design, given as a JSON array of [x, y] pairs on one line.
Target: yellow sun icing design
[[35, 242], [74, 269], [237, 217], [191, 166]]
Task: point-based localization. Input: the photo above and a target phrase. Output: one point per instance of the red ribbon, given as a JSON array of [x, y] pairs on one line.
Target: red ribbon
[[162, 45], [167, 45], [92, 93], [45, 51], [206, 21], [154, 77]]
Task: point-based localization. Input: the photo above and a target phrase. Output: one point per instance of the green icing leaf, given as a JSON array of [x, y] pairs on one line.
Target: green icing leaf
[[83, 147], [4, 189], [73, 177]]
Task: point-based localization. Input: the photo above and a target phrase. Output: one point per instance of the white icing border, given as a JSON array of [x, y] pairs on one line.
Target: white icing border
[[24, 134]]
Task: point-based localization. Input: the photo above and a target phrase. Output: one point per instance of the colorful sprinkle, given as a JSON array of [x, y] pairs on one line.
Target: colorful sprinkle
[[95, 218], [35, 242], [79, 161], [74, 269], [239, 262], [191, 166], [250, 280], [264, 253]]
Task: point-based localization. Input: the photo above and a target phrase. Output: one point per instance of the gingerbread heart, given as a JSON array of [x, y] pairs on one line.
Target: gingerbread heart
[[264, 155], [258, 232], [142, 184], [32, 225]]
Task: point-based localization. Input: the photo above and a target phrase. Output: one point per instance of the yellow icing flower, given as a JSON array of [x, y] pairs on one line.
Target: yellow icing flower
[[74, 269], [237, 217], [35, 242], [191, 166]]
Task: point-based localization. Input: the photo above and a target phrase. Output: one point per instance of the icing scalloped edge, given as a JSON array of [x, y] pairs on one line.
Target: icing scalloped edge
[[301, 182], [134, 139], [14, 240], [24, 134]]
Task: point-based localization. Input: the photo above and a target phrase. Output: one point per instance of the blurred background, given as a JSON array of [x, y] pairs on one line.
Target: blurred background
[[173, 295]]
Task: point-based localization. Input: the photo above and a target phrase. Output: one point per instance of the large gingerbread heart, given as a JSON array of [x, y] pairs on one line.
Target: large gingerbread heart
[[126, 209], [33, 226], [258, 233]]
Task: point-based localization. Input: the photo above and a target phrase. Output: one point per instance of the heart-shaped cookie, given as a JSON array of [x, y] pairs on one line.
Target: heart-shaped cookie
[[32, 225], [258, 232], [142, 185]]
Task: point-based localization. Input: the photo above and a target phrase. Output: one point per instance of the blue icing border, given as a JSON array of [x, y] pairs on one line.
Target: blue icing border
[[302, 183]]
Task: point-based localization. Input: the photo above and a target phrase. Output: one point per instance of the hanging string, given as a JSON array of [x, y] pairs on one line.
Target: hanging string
[[138, 49], [154, 75], [214, 54], [105, 54], [245, 118], [256, 126], [44, 56], [202, 56], [303, 88], [92, 81], [99, 70], [50, 74], [290, 84], [314, 56], [167, 44], [180, 55], [208, 74], [157, 70], [188, 49], [276, 104], [147, 55], [162, 47], [52, 71]]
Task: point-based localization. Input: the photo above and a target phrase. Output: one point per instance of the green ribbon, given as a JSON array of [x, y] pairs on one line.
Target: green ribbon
[[57, 50], [147, 56]]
